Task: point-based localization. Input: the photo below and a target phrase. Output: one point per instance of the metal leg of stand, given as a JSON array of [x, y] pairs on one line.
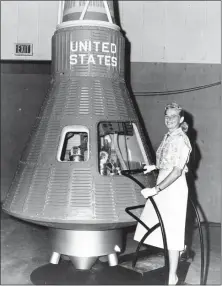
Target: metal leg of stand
[[142, 241], [149, 231], [112, 259], [159, 218]]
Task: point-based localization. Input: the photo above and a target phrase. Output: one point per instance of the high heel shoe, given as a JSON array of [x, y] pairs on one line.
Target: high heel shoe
[[187, 255], [175, 283]]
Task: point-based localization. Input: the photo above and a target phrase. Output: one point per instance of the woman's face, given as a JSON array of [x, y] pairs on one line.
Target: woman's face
[[172, 119]]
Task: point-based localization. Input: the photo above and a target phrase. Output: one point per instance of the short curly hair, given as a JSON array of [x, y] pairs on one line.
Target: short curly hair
[[174, 105]]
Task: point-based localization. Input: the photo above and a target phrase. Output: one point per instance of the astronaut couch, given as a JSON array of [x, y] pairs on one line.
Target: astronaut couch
[[69, 175]]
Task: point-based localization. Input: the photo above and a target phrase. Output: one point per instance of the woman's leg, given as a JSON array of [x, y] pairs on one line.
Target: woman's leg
[[173, 260]]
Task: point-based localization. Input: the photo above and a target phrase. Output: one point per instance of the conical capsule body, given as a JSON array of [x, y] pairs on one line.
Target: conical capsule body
[[69, 175]]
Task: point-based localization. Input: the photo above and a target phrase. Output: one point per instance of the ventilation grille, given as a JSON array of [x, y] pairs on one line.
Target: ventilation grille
[[124, 196], [84, 101], [13, 187], [60, 99], [37, 143], [51, 140], [80, 194], [22, 189], [98, 100], [119, 100], [104, 202], [72, 100], [126, 97], [37, 193], [57, 198], [111, 104]]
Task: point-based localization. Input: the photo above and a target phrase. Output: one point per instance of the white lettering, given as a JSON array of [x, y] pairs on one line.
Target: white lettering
[[107, 60], [113, 48], [100, 58], [83, 46], [80, 53], [105, 47], [114, 61], [97, 45], [91, 60], [82, 56], [73, 47], [90, 46], [73, 59]]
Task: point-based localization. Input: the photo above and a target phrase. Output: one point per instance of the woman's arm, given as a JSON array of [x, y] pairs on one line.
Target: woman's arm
[[174, 174], [172, 177], [182, 157]]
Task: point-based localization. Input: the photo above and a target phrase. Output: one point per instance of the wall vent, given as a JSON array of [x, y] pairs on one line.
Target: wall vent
[[22, 49]]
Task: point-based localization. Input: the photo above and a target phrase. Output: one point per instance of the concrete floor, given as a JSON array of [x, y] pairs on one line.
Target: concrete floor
[[25, 247]]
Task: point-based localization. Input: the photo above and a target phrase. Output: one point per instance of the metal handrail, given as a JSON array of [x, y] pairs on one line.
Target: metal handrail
[[126, 173]]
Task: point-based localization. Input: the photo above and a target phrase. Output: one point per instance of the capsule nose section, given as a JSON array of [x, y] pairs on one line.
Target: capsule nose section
[[88, 10]]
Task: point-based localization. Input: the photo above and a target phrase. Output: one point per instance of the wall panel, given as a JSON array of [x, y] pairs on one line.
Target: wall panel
[[28, 24], [153, 12], [132, 24], [159, 31], [9, 28], [47, 21]]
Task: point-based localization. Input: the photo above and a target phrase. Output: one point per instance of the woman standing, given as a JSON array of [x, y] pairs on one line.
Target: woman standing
[[171, 191]]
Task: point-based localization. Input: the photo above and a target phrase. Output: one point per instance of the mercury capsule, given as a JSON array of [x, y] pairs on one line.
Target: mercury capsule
[[69, 175]]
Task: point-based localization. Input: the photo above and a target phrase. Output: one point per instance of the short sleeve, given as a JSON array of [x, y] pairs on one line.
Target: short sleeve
[[182, 153]]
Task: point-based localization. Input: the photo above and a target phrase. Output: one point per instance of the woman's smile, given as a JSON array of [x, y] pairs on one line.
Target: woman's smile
[[172, 119]]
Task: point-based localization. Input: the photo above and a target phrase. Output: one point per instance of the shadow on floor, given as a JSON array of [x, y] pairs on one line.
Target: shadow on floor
[[26, 247], [101, 274]]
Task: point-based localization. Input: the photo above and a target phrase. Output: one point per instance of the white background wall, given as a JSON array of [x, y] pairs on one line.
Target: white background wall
[[159, 31], [28, 22]]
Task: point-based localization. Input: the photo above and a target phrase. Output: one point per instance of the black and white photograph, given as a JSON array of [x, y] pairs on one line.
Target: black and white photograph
[[111, 142]]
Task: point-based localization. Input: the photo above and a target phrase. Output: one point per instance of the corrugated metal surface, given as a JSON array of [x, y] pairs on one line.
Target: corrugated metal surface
[[98, 98], [105, 205], [119, 99], [35, 201], [52, 192], [22, 188], [37, 141], [80, 195], [51, 141], [57, 197], [72, 101], [84, 106]]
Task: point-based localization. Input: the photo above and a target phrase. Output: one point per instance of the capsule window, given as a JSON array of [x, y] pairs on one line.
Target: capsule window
[[74, 144], [120, 148]]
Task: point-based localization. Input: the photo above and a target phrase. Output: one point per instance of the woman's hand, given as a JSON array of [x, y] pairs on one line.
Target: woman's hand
[[149, 168], [149, 192]]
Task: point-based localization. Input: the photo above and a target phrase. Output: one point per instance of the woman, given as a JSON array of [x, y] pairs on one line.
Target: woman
[[171, 192]]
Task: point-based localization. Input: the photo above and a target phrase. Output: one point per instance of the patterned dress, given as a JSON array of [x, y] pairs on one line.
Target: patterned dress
[[174, 150]]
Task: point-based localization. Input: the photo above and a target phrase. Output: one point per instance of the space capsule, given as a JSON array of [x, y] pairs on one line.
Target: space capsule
[[69, 175]]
